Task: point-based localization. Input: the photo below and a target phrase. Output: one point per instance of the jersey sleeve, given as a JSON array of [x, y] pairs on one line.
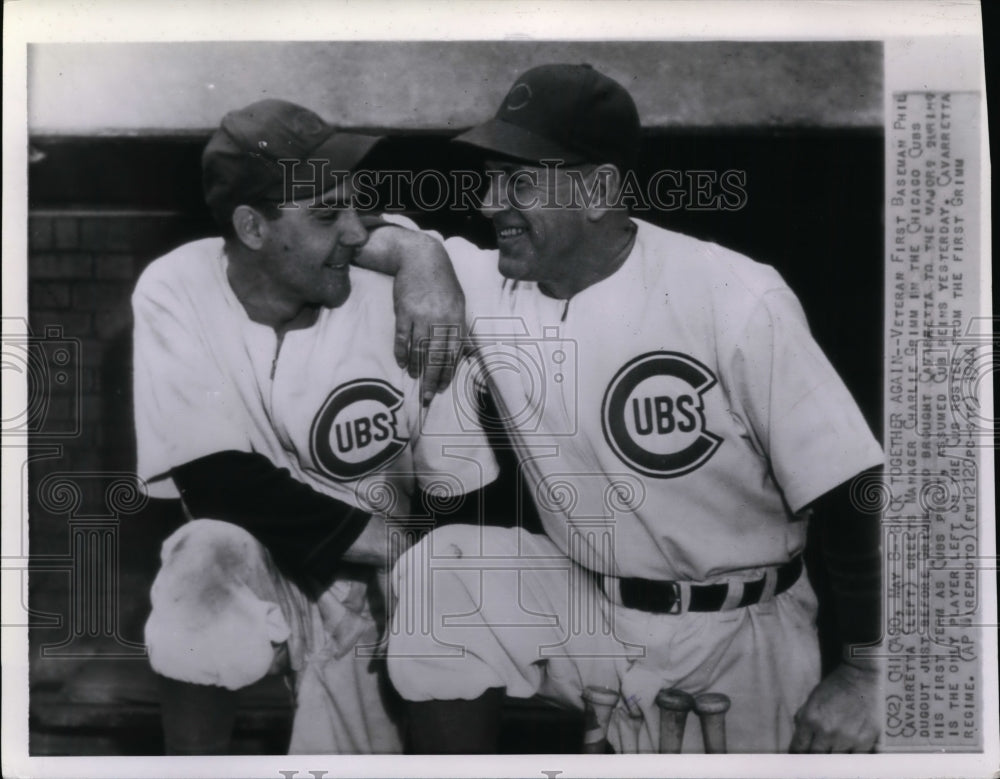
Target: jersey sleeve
[[798, 410], [450, 452], [184, 407]]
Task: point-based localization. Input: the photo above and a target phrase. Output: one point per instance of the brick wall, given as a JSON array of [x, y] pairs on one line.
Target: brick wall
[[82, 268], [93, 539]]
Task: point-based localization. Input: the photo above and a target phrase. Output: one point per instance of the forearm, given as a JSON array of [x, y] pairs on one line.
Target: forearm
[[428, 300], [851, 552], [391, 246], [842, 713], [418, 261], [371, 547]]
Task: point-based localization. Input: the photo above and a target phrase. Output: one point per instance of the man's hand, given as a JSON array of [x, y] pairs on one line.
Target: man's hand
[[372, 546], [430, 306], [842, 712], [430, 317]]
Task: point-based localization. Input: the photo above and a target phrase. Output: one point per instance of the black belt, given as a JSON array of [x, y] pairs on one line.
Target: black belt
[[665, 597]]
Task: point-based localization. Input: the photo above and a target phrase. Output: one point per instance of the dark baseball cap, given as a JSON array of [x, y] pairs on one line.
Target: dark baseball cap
[[240, 164], [567, 112]]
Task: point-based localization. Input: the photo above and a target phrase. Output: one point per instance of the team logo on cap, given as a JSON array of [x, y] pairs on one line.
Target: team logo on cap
[[653, 414], [355, 432], [518, 97]]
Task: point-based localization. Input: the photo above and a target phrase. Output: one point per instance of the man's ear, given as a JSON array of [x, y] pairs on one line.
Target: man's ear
[[250, 226], [608, 183]]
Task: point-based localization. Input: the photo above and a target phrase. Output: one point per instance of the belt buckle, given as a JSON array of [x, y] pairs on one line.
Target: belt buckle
[[674, 598]]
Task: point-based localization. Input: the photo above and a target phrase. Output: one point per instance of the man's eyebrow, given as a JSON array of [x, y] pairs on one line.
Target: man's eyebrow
[[337, 197], [507, 166]]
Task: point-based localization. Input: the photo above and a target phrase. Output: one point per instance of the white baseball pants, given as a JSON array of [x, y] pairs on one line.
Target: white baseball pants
[[491, 607], [224, 615]]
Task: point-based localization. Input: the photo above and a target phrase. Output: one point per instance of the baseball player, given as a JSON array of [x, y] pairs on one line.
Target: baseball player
[[268, 397], [678, 426]]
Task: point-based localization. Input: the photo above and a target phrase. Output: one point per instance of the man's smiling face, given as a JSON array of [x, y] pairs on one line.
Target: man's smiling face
[[310, 247], [538, 219]]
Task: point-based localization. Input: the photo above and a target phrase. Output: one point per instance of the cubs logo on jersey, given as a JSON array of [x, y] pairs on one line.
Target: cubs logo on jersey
[[653, 414], [356, 430]]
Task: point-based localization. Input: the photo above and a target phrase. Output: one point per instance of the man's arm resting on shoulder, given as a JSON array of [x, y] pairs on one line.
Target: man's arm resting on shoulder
[[841, 714], [307, 533], [430, 306]]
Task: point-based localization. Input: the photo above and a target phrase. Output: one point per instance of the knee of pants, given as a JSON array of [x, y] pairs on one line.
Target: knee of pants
[[414, 567], [424, 589], [429, 584], [210, 544], [428, 568], [216, 617], [462, 626]]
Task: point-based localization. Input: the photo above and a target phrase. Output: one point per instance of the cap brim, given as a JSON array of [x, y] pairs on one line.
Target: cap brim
[[342, 153], [510, 140], [344, 150]]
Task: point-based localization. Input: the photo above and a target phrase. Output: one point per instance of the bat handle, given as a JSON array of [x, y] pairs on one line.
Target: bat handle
[[598, 703], [674, 706], [711, 708], [633, 725]]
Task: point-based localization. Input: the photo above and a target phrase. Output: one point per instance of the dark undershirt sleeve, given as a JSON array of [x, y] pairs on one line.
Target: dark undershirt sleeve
[[851, 550], [305, 531]]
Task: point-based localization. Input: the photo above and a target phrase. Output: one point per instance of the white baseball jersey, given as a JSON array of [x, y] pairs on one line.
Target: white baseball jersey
[[676, 415], [328, 402]]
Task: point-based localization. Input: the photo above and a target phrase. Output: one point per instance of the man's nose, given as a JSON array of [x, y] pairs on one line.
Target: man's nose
[[352, 232], [496, 198]]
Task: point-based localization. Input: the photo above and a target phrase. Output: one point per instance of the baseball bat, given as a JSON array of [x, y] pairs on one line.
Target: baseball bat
[[598, 703], [711, 708], [674, 707]]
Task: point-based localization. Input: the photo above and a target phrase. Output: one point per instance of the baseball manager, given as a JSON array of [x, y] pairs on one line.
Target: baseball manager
[[678, 426]]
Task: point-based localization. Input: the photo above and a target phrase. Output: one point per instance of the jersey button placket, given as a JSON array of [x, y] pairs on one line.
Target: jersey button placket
[[278, 423]]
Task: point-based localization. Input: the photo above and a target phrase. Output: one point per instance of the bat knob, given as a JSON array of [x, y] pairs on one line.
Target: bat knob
[[674, 707], [711, 703], [600, 696], [674, 700], [711, 708]]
